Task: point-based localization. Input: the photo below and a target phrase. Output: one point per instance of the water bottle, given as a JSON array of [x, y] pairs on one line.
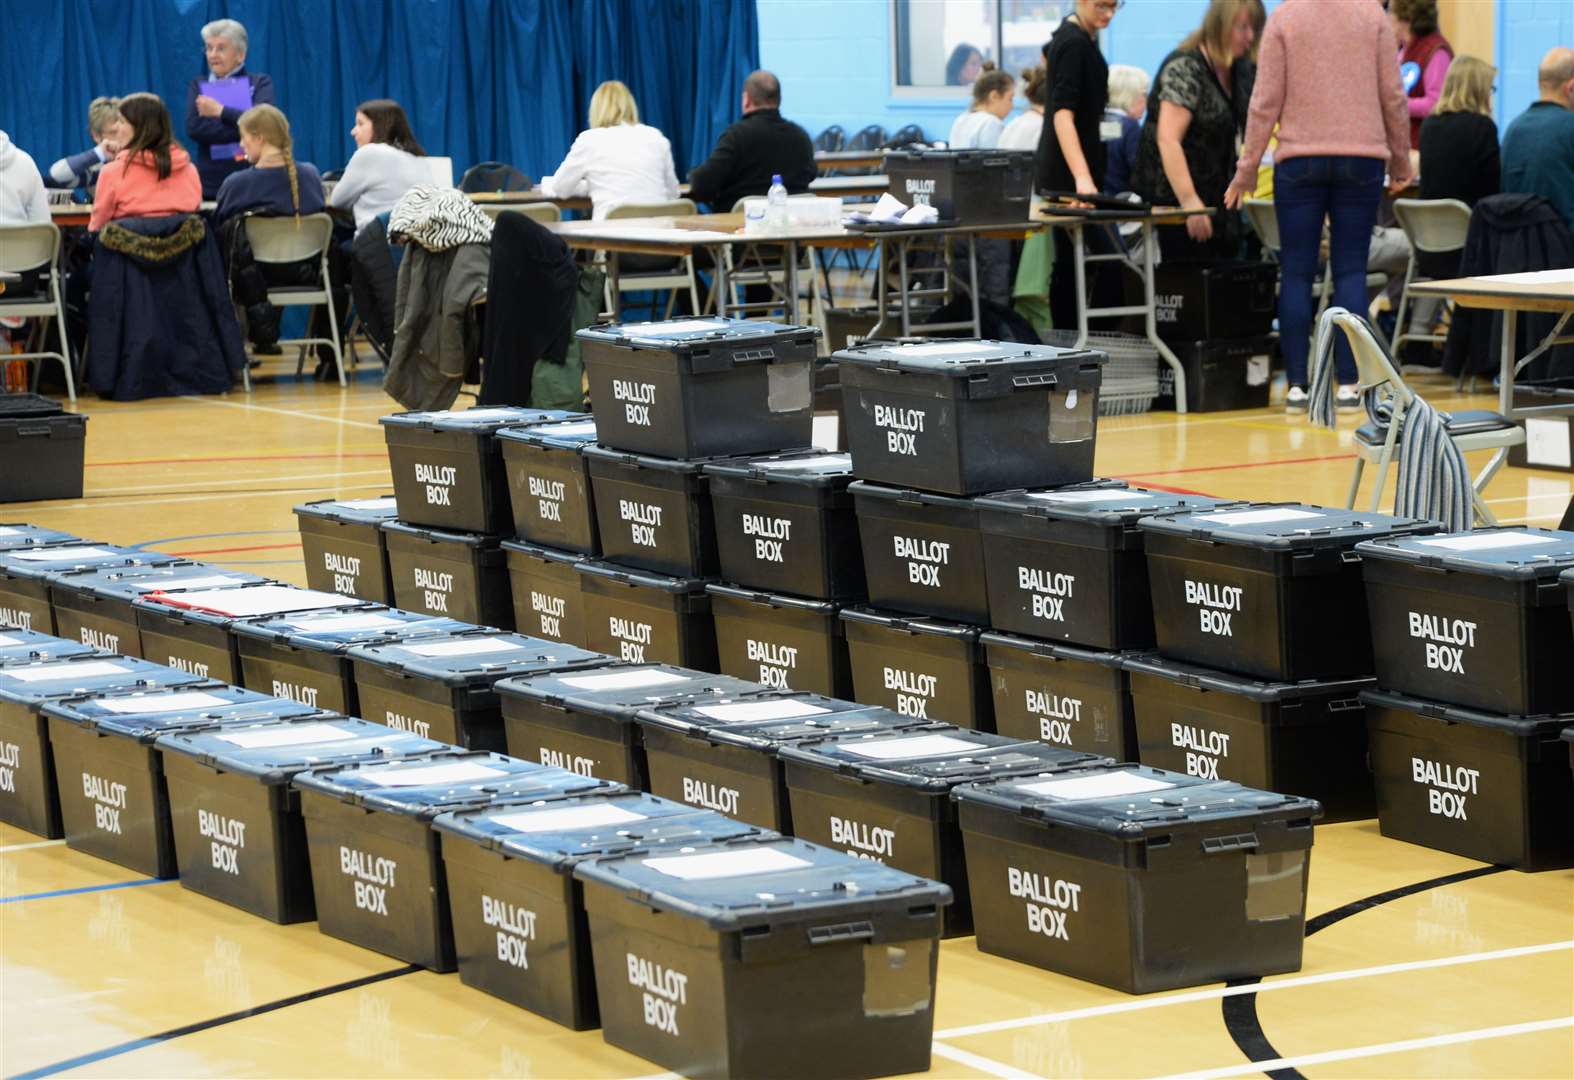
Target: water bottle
[[776, 206]]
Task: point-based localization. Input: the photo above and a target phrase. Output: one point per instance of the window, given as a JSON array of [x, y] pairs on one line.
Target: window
[[941, 45]]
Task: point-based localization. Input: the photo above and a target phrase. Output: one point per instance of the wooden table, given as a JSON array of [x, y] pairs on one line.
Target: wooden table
[[77, 215], [826, 160], [849, 187]]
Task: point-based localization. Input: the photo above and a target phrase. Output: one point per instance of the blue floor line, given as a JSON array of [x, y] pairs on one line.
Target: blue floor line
[[86, 889]]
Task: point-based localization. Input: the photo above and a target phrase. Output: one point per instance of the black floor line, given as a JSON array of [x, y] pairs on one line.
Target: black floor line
[[1240, 1011]]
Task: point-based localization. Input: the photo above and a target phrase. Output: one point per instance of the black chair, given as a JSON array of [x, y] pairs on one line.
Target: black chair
[[830, 140], [493, 176], [911, 135]]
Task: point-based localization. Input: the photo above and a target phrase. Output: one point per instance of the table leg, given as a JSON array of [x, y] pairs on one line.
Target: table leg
[[791, 276], [1079, 255], [901, 248], [882, 292], [719, 275], [616, 297], [972, 281], [1149, 241], [1506, 373]]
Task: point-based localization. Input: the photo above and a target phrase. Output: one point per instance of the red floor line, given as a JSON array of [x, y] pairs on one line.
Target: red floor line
[[224, 551], [1237, 465], [249, 457]]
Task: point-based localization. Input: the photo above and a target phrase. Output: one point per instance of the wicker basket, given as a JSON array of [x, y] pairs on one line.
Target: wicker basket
[[1131, 374]]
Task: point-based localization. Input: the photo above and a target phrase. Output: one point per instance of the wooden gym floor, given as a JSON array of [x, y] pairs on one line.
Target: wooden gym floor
[[1418, 964]]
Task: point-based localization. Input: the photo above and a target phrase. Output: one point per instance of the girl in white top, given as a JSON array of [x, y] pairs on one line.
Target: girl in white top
[[979, 128], [618, 160], [1022, 133], [388, 163]]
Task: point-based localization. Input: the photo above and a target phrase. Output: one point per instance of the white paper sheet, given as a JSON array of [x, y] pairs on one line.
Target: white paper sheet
[[726, 864], [625, 680], [75, 553], [212, 581], [90, 669], [449, 772], [159, 703], [1112, 495], [287, 735], [741, 712], [1489, 541], [815, 462], [263, 600], [584, 816], [902, 749], [466, 647], [1110, 785], [1256, 517], [385, 502], [1565, 276]]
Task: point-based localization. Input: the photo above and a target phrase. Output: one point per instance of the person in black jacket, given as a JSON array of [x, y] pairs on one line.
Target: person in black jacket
[[1459, 148], [754, 149], [214, 125]]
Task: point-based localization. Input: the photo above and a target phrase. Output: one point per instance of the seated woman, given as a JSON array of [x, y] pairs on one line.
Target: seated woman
[[386, 164], [1459, 147], [979, 128], [152, 176], [1023, 132], [618, 160], [81, 170]]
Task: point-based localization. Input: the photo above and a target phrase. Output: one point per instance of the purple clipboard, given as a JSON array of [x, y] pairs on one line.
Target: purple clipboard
[[233, 92]]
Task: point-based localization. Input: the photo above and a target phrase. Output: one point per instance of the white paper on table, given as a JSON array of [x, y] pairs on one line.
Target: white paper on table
[[923, 214], [61, 554], [1112, 785], [889, 208], [726, 864], [286, 735], [742, 712], [1547, 441], [449, 772], [902, 749], [625, 680], [160, 703], [466, 647], [90, 669], [1564, 276], [1489, 541], [586, 816], [262, 600], [1256, 517], [385, 502]]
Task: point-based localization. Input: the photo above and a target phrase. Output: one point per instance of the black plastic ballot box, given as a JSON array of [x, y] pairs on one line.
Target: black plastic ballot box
[[1066, 696], [1202, 301], [1222, 373], [970, 187], [1299, 738], [783, 642], [922, 668], [239, 835], [1271, 590], [700, 387], [25, 573], [455, 574], [722, 755], [785, 523], [376, 865], [1069, 565], [448, 467], [442, 687], [306, 657], [520, 929], [963, 417], [344, 547], [53, 442], [887, 796], [644, 618], [923, 553], [94, 606], [1477, 619], [1482, 785], [653, 513], [31, 647], [587, 721], [764, 958], [29, 796], [1137, 878], [113, 800], [190, 629], [19, 534], [545, 587], [549, 484]]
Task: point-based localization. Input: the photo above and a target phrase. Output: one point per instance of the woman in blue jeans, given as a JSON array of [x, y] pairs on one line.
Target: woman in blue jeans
[[1332, 88]]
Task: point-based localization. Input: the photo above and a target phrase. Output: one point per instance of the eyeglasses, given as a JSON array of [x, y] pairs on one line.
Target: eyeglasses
[[1108, 7]]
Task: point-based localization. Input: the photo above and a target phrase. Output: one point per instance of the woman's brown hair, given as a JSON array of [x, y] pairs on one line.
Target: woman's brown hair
[[390, 125], [271, 126], [1035, 85], [151, 131], [1219, 21], [990, 82], [1420, 14]]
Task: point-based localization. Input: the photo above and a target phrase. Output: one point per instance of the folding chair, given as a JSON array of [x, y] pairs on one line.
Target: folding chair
[[681, 274], [830, 140], [1378, 439], [911, 135], [277, 240], [493, 176], [37, 247], [1433, 226]]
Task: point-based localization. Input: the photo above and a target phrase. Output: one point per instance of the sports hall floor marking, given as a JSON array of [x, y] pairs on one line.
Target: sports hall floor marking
[[213, 536], [212, 483], [286, 412], [979, 1064], [383, 454], [94, 504], [30, 846], [231, 550], [86, 889]]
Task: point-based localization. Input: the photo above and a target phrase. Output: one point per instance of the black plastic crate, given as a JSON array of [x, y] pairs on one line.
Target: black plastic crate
[[970, 187], [1221, 374], [1201, 301], [781, 642], [922, 668], [549, 484], [586, 721], [653, 513], [964, 417], [644, 618], [1553, 447], [376, 865], [1272, 590], [922, 553], [1069, 564], [448, 468], [835, 976], [545, 588], [344, 549], [25, 573], [190, 629], [1079, 699], [1137, 878], [52, 444], [1302, 738], [1477, 619], [29, 795], [457, 575], [31, 647], [442, 687], [19, 534], [723, 754], [701, 387], [95, 606], [785, 523], [305, 658], [520, 929], [113, 799], [239, 835], [887, 796]]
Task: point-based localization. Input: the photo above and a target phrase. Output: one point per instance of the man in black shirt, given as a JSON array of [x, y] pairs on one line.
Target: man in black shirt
[[754, 149]]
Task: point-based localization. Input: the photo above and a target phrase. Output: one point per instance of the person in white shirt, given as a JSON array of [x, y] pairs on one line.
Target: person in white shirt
[[979, 128], [1023, 131], [22, 198], [387, 164], [618, 160]]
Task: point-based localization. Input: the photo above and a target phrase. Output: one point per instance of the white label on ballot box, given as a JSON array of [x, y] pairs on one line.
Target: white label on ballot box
[[1547, 441], [920, 747], [385, 502], [92, 669], [942, 348], [287, 735], [1112, 785], [159, 703], [212, 581], [336, 624], [1490, 541], [582, 427], [62, 554], [588, 816], [264, 600], [7, 639], [1256, 517], [625, 680], [744, 711], [479, 414], [9, 530], [453, 772], [470, 647], [676, 326], [1111, 495], [806, 462], [726, 864]]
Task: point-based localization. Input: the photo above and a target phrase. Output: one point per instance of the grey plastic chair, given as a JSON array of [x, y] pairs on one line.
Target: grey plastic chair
[[37, 247], [289, 240], [1433, 226], [1264, 221]]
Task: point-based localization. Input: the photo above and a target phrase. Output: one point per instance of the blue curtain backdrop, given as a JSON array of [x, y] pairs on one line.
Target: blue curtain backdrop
[[482, 80]]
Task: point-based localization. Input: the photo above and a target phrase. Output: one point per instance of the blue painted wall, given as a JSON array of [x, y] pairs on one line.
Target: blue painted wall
[[1526, 29]]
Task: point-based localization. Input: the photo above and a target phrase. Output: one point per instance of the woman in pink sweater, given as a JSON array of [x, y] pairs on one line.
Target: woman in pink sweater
[[1330, 81], [152, 176]]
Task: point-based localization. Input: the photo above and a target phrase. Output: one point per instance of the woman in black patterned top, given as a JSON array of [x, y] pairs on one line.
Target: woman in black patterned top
[[1191, 140]]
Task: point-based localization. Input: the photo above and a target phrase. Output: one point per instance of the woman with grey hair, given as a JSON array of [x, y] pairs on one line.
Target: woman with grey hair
[[215, 100]]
